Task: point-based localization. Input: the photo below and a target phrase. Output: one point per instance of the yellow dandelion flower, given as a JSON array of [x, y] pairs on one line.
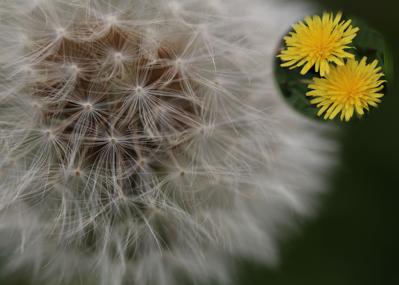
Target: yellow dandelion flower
[[348, 88], [319, 42]]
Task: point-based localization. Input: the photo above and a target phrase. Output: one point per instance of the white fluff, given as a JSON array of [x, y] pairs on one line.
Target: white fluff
[[144, 139]]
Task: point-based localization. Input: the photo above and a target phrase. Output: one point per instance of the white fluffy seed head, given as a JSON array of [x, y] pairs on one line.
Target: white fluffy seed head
[[141, 139]]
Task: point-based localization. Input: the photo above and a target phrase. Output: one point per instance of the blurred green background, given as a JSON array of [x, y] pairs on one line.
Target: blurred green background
[[355, 238]]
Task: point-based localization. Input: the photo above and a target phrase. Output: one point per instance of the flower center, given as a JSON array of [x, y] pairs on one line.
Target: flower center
[[351, 93], [323, 50]]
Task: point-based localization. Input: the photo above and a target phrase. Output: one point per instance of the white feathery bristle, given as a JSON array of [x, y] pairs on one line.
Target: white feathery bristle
[[144, 139]]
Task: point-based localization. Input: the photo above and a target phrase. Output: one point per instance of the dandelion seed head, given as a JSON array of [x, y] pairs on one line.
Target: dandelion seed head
[[145, 139]]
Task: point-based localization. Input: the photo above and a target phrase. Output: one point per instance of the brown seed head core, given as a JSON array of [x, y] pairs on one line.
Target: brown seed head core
[[113, 104]]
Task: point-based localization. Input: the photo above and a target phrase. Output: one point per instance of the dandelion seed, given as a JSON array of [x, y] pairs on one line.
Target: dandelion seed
[[347, 89], [318, 42]]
